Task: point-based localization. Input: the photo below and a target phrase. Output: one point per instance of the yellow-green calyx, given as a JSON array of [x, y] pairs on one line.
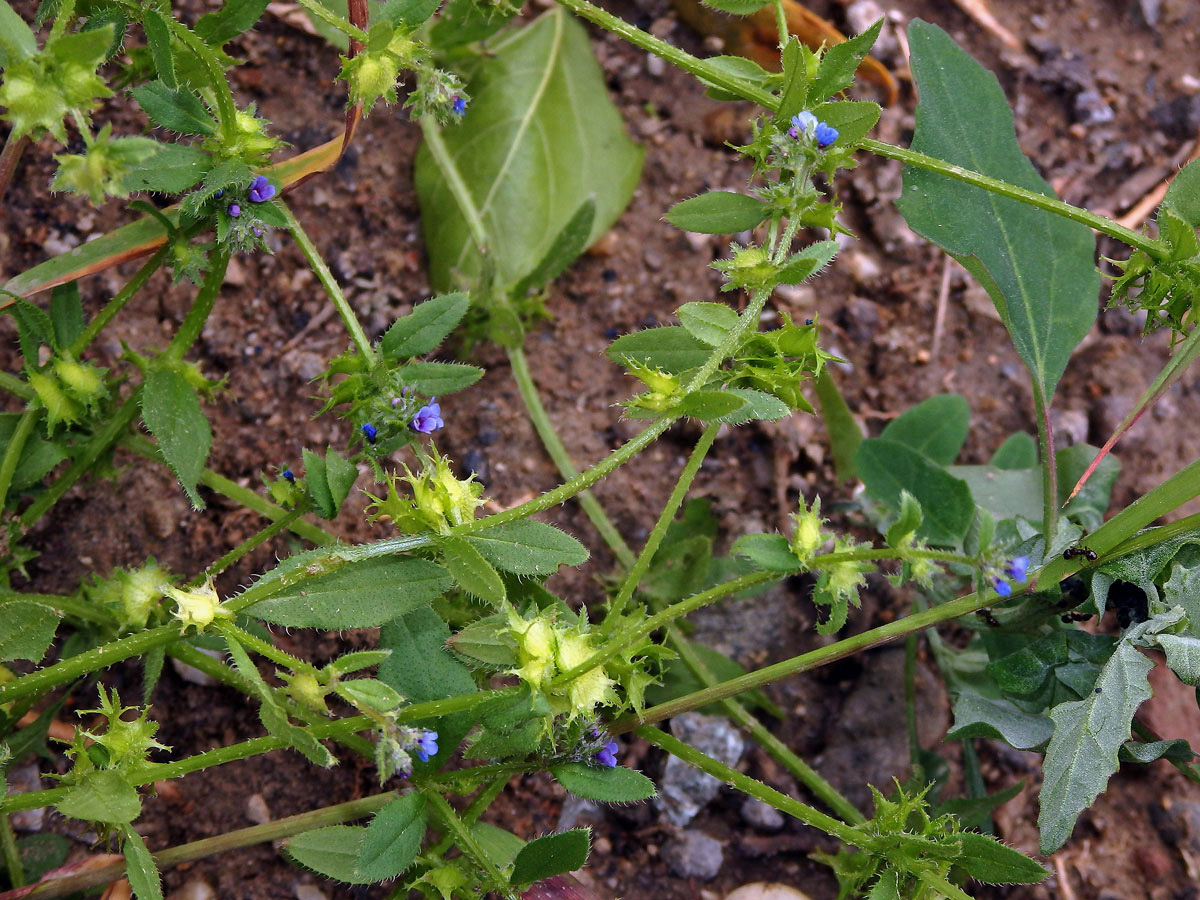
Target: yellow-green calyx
[[196, 606]]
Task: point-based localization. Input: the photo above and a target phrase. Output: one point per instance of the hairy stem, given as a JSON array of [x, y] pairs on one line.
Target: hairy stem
[[562, 460], [684, 482], [319, 267]]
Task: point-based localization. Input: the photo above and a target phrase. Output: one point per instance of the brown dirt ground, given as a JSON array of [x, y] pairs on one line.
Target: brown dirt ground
[[880, 303]]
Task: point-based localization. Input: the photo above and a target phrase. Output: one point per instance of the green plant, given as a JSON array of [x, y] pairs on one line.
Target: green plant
[[459, 598]]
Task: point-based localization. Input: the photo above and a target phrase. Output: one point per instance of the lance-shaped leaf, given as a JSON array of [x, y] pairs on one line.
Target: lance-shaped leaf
[[1088, 734], [540, 137], [1037, 267]]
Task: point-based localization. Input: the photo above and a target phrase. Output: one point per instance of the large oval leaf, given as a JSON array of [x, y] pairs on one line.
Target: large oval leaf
[[540, 138], [1037, 267]]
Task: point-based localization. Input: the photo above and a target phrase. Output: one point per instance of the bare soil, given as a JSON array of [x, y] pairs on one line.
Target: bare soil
[[271, 334]]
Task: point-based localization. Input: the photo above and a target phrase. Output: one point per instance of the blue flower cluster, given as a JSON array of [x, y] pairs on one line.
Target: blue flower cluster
[[807, 124], [1016, 572]]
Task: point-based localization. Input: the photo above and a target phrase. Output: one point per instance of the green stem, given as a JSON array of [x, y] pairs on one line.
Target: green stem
[[1156, 249], [10, 852], [467, 844], [805, 661], [117, 303], [89, 661], [16, 386], [101, 441], [202, 307], [16, 446], [803, 772], [1049, 465], [318, 265], [318, 11], [255, 540], [634, 577], [237, 493], [747, 785], [232, 840], [702, 69], [558, 453]]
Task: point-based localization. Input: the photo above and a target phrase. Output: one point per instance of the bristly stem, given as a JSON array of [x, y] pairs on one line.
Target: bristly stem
[[561, 458], [747, 785], [321, 269], [634, 577]]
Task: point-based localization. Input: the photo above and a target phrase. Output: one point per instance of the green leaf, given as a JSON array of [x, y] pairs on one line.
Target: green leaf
[[332, 851], [709, 405], [471, 571], [853, 119], [718, 212], [171, 170], [616, 785], [527, 547], [768, 551], [936, 427], [669, 348], [1088, 734], [1005, 493], [1037, 267], [102, 795], [737, 7], [757, 406], [28, 630], [808, 262], [425, 327], [158, 38], [1183, 656], [140, 868], [176, 110], [393, 838], [540, 138], [707, 322], [358, 595], [229, 21], [438, 379], [172, 413], [1183, 195], [17, 40], [986, 859], [419, 666], [567, 247], [66, 314], [840, 62], [1019, 451], [551, 855], [887, 468], [370, 693]]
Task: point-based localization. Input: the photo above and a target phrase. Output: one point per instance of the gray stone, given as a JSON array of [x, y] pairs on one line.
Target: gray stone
[[684, 790], [761, 815], [693, 854]]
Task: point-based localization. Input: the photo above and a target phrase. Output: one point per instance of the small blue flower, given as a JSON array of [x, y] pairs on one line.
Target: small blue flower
[[289, 476], [370, 432], [261, 189], [826, 135], [234, 210], [1018, 569], [427, 745], [1001, 587], [460, 105], [607, 755], [428, 418]]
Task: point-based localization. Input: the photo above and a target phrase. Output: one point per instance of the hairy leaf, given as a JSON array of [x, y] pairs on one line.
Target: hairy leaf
[[1088, 734]]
